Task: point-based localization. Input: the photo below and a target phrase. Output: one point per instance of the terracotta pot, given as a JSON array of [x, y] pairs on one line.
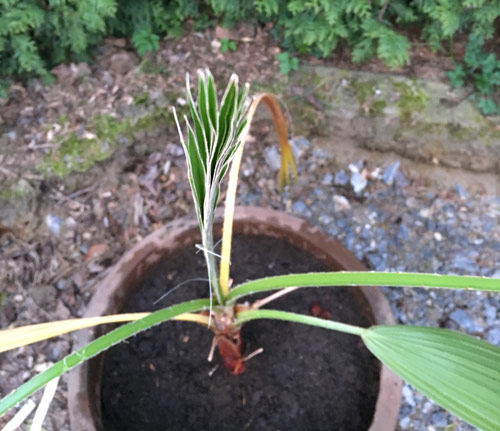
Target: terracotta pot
[[110, 296]]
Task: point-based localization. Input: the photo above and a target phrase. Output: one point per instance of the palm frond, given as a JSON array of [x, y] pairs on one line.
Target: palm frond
[[213, 138], [214, 135]]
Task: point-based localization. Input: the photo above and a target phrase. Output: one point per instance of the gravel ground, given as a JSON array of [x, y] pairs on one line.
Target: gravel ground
[[393, 224]]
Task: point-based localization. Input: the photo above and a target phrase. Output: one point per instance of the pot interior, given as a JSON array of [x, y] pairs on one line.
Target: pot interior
[[306, 378]]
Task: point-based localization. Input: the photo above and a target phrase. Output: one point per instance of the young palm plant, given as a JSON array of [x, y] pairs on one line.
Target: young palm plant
[[458, 371], [212, 142]]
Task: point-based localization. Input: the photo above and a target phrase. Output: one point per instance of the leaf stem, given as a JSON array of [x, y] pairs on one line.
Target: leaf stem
[[246, 316], [208, 247], [365, 278]]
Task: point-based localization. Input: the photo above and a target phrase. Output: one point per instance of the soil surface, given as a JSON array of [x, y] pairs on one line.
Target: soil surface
[[306, 378]]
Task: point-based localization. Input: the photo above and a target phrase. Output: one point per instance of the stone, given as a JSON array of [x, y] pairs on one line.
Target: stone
[[440, 419], [319, 193], [62, 312], [108, 78], [273, 158], [327, 179], [403, 423], [356, 167], [427, 407], [358, 182], [58, 350], [465, 264], [225, 33], [215, 45], [494, 336], [44, 295], [404, 233], [299, 146], [341, 223], [122, 62], [96, 251], [490, 313], [174, 150], [462, 192], [299, 207], [400, 179], [377, 261], [408, 395], [64, 74], [54, 223], [321, 155], [425, 212], [341, 178], [340, 203], [461, 317], [61, 284], [390, 173], [81, 69]]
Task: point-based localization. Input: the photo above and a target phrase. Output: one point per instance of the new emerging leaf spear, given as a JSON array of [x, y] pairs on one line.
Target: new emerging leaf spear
[[216, 139]]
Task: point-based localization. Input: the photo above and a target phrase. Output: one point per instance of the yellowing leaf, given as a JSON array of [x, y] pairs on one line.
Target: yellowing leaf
[[287, 164], [24, 335]]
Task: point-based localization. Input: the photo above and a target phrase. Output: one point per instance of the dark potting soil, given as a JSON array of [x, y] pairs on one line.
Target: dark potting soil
[[306, 379]]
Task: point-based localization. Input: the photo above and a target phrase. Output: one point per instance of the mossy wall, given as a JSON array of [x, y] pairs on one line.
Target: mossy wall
[[419, 119], [104, 134]]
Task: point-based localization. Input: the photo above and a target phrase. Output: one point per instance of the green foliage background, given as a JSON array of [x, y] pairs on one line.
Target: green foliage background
[[36, 35], [483, 70]]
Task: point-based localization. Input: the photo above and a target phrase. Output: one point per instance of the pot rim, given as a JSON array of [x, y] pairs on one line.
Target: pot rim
[[109, 296]]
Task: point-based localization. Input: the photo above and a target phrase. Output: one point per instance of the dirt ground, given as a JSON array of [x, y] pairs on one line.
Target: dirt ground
[[60, 239]]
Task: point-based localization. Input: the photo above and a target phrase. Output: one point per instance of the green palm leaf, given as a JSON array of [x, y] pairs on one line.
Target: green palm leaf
[[211, 145], [459, 372]]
